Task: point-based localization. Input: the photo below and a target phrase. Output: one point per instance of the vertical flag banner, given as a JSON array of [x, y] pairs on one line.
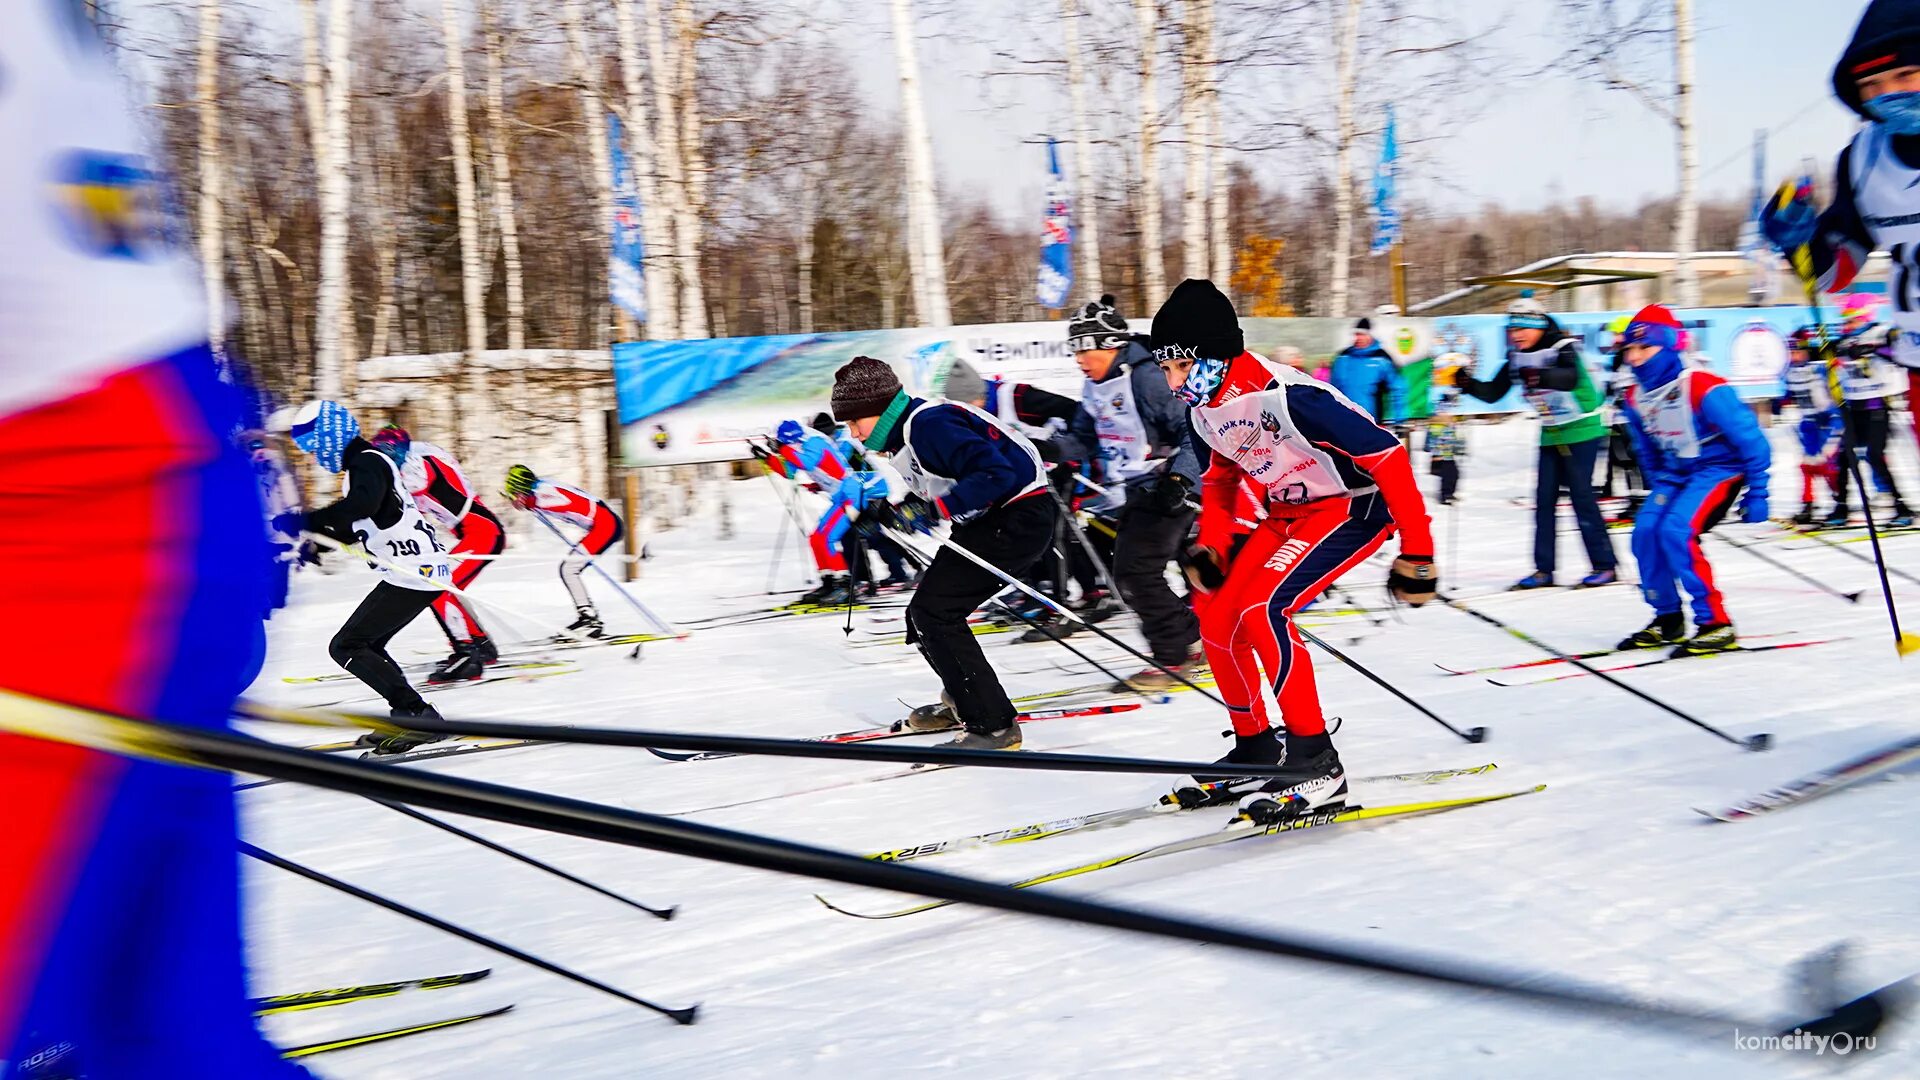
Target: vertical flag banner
[[1751, 242], [626, 283], [1386, 182], [1056, 238]]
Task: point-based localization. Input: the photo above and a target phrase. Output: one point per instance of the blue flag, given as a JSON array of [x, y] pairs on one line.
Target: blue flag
[[1056, 240], [1386, 182], [626, 280]]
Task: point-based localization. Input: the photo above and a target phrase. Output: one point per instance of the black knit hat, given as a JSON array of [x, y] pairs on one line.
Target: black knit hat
[[1197, 322], [1097, 326], [1888, 37], [863, 387]]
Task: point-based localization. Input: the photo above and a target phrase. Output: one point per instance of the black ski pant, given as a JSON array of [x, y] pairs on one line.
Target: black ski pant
[[1145, 543], [1448, 470], [1011, 537], [1867, 426], [1622, 462], [1103, 534], [360, 646]]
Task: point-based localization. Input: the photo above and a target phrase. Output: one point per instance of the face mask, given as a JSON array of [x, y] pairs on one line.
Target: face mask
[[1203, 378], [1900, 112]]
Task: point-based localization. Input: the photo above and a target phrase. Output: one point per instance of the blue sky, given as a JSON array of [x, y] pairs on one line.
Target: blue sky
[[1761, 64]]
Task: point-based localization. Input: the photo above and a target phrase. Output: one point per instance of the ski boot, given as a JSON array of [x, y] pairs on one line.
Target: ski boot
[[1052, 628], [1539, 579], [464, 665], [1197, 662], [1007, 738], [1709, 639], [1321, 782], [815, 595], [841, 592], [1598, 578], [1095, 607], [1902, 517], [1212, 789], [587, 625], [484, 648], [1158, 679], [1664, 630], [1839, 519], [381, 744], [940, 716]]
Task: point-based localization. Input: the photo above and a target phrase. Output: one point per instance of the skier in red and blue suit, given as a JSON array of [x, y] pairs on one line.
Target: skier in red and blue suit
[[801, 454], [120, 925], [1700, 447]]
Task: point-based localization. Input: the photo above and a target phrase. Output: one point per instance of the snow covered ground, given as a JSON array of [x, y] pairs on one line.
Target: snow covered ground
[[1607, 876]]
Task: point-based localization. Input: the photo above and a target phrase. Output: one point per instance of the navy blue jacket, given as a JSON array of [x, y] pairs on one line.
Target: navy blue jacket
[[987, 466]]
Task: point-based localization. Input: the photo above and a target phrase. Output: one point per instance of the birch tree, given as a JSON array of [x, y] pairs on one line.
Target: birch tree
[[1346, 77], [693, 171], [643, 157], [1194, 250], [212, 206], [466, 202], [1086, 211], [1153, 273], [927, 255], [593, 114], [331, 313], [669, 163], [497, 141], [1608, 43], [1217, 186]]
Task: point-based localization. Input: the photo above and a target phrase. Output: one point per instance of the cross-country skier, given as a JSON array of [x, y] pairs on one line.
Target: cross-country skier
[[1700, 447], [441, 491], [963, 465], [861, 486], [554, 501], [1367, 375], [376, 512], [1545, 362], [121, 946], [1876, 201], [1134, 430], [1819, 426], [1336, 483], [1858, 369], [801, 455]]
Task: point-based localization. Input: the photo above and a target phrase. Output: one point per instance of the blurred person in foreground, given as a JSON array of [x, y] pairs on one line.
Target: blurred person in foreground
[[120, 938]]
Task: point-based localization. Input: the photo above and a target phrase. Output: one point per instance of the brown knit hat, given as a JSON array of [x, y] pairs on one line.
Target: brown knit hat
[[863, 387]]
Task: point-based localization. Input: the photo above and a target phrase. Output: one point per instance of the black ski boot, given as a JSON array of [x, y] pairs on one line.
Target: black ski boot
[[587, 625], [1007, 738], [1321, 782], [1664, 630], [1806, 515], [381, 744], [465, 664], [1711, 638], [484, 647]]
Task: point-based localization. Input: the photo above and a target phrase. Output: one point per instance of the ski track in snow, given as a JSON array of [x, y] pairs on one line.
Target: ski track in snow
[[1608, 876]]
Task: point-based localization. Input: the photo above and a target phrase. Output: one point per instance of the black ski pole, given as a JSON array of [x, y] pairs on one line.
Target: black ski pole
[[1758, 741], [1474, 735], [520, 856], [749, 744], [680, 1016], [1063, 610], [217, 749], [1086, 542], [1032, 624], [1793, 571]]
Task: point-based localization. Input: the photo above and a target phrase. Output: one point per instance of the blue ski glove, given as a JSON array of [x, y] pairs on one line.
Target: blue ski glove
[[1789, 219], [1754, 510]]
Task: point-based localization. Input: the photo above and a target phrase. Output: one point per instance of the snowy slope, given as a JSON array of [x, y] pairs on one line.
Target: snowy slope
[[1608, 876]]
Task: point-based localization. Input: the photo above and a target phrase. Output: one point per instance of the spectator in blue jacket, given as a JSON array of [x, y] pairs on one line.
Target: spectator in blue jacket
[[1366, 373]]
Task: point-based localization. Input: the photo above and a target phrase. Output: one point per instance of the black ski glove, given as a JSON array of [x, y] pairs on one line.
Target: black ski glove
[[1167, 495]]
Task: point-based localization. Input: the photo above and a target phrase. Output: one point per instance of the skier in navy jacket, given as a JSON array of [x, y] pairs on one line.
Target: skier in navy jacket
[[968, 467]]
